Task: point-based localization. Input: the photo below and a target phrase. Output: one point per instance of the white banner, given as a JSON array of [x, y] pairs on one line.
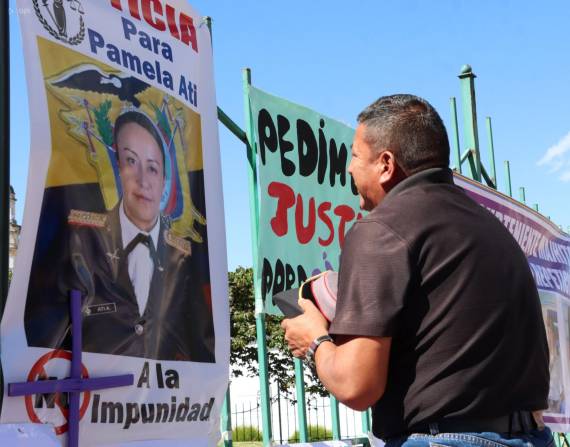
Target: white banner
[[124, 202]]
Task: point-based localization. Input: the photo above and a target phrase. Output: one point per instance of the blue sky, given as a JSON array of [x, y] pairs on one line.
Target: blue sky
[[337, 57]]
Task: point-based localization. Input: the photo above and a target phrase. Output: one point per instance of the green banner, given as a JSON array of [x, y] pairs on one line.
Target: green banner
[[307, 198]]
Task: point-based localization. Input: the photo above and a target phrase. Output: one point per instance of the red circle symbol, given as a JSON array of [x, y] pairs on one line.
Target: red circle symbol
[[38, 372]]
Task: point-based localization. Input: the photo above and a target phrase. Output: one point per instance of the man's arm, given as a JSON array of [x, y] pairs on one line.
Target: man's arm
[[354, 369]]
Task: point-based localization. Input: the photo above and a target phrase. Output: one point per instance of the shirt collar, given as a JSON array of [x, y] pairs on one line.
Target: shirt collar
[[432, 175], [129, 230]]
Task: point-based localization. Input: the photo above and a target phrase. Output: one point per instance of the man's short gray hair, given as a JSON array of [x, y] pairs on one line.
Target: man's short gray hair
[[410, 127]]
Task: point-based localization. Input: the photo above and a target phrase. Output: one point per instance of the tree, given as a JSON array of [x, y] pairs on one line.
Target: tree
[[243, 356]]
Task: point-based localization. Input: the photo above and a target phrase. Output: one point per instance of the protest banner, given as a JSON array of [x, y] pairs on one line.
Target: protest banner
[[548, 253], [124, 204], [307, 198], [308, 203]]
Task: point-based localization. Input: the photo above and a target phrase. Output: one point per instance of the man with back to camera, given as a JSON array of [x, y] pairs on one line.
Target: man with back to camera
[[143, 295], [438, 323]]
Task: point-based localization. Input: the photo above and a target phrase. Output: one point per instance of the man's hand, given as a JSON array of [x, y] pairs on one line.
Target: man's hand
[[302, 330], [354, 368]]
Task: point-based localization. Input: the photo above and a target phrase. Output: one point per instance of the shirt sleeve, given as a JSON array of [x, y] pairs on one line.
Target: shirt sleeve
[[374, 278]]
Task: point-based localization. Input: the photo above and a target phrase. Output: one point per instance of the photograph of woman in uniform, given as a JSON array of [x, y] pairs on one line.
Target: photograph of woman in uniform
[[145, 283]]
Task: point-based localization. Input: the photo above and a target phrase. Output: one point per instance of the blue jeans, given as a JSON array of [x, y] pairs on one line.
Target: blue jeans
[[536, 438]]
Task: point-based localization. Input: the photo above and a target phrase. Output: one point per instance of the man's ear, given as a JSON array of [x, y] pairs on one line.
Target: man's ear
[[388, 167]]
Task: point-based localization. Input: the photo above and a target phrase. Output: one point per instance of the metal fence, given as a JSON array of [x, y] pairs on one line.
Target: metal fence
[[246, 419]]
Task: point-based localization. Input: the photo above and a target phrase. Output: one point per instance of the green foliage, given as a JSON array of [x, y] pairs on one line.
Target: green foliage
[[246, 433], [315, 432], [103, 123], [243, 356]]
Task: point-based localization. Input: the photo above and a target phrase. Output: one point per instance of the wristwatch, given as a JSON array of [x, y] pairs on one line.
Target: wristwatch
[[310, 355]]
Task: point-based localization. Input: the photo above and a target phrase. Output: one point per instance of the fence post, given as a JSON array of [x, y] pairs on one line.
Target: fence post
[[365, 422], [335, 417], [522, 195], [227, 420], [279, 413], [470, 135], [301, 405], [259, 310], [508, 185], [491, 151], [455, 132]]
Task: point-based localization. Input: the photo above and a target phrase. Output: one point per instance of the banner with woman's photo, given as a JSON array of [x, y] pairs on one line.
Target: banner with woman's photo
[[124, 204]]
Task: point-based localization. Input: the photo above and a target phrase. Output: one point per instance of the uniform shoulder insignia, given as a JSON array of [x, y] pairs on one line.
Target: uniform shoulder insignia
[[178, 242], [87, 219]]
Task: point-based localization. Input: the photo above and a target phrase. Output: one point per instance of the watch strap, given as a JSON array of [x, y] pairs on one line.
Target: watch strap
[[315, 344]]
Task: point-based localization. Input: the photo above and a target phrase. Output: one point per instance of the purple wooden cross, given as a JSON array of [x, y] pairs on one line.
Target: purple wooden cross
[[74, 385]]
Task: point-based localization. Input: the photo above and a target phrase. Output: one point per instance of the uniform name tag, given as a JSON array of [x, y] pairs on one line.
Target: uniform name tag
[[97, 309]]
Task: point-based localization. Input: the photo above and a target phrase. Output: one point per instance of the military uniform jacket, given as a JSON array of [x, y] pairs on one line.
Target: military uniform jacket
[[177, 321]]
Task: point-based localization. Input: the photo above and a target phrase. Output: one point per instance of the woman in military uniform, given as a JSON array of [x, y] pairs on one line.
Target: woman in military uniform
[[142, 293]]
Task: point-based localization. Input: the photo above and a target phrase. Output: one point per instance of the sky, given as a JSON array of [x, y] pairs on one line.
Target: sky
[[337, 57]]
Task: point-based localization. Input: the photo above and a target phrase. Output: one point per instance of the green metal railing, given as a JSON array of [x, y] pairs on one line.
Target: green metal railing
[[472, 155], [300, 392], [246, 416], [508, 185], [491, 150], [259, 310], [470, 134], [227, 419], [248, 139], [455, 130]]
